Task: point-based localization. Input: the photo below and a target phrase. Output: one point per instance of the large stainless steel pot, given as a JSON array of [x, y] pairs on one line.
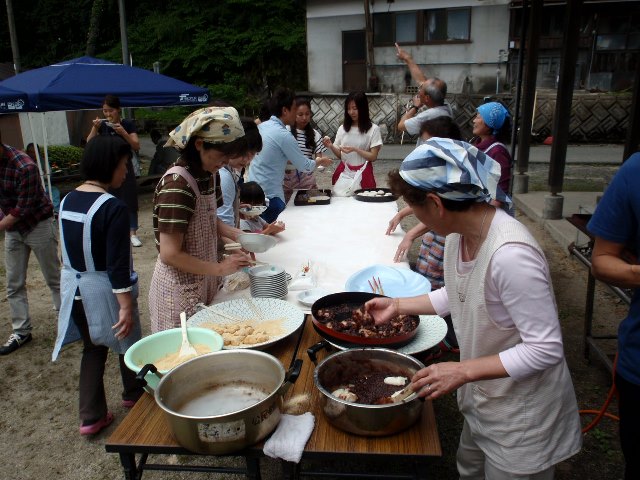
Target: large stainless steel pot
[[371, 420], [225, 401]]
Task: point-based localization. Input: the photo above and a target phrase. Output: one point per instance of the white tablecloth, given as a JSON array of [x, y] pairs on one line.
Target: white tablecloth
[[337, 239]]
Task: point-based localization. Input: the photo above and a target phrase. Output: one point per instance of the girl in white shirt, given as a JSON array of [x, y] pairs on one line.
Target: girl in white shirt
[[358, 141]]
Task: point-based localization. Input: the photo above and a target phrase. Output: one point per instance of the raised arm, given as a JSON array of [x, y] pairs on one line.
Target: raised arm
[[406, 57]]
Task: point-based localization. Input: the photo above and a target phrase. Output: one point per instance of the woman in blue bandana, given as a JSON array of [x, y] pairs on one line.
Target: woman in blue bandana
[[512, 382], [492, 130]]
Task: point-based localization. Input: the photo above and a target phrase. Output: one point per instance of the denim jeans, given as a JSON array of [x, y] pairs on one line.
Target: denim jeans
[[43, 241]]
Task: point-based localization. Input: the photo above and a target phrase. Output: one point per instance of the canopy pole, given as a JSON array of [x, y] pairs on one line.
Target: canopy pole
[[46, 154], [35, 147]]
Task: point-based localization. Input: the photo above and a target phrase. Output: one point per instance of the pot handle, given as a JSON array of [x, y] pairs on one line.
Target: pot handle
[[291, 376], [313, 349], [149, 367]]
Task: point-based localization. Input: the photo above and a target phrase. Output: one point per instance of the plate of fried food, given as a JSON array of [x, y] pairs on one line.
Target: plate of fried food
[[246, 322]]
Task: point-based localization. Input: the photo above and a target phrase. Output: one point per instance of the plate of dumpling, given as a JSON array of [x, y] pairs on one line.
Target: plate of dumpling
[[375, 195]]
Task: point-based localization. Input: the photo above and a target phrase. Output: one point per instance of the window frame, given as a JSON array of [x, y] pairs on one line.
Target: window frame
[[421, 18]]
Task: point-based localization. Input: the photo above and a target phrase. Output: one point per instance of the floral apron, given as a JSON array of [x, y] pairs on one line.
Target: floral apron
[[173, 291]]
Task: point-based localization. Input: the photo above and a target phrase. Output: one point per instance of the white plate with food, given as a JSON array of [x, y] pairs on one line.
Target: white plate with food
[[253, 211], [250, 323], [308, 297]]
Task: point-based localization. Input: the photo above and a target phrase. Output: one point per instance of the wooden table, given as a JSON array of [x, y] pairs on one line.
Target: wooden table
[[331, 445], [310, 235], [145, 431]]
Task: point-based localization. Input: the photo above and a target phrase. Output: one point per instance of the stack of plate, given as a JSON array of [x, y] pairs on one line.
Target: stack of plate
[[268, 281]]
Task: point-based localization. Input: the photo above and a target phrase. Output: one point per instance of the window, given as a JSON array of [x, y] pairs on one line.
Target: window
[[425, 26], [447, 25]]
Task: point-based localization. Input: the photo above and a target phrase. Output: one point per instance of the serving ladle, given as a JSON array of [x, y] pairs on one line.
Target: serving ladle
[[186, 349]]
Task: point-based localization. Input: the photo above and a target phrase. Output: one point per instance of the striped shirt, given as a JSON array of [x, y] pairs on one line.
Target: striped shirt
[[174, 202], [430, 261]]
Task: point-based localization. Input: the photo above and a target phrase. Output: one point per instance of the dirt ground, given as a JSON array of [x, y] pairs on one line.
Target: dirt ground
[[38, 398]]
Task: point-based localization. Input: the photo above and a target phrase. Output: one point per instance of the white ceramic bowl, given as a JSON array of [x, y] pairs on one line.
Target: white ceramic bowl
[[256, 242], [253, 211]]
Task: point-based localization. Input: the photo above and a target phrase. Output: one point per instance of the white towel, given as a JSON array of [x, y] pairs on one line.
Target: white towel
[[289, 439]]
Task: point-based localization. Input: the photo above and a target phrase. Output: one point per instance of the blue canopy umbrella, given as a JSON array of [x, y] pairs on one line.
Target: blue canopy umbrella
[[82, 83], [12, 101]]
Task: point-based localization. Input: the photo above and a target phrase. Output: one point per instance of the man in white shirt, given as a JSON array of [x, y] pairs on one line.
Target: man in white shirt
[[431, 94]]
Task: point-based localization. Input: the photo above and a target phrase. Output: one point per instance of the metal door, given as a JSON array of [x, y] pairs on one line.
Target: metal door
[[354, 61]]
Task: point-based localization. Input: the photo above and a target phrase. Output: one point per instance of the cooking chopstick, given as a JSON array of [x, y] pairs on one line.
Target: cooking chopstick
[[254, 308], [381, 290], [373, 289], [222, 314]]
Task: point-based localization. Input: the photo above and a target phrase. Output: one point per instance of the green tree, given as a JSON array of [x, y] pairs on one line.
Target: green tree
[[240, 49]]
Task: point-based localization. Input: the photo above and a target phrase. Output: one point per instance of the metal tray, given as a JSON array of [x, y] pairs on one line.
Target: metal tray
[[303, 196]]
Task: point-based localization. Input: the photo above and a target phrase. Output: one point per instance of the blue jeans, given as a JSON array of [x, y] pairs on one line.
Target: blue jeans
[[43, 241], [276, 206]]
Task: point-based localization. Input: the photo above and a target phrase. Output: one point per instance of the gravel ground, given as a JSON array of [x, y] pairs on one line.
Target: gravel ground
[[38, 399]]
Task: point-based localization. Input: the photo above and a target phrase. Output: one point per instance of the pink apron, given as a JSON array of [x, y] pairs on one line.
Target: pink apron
[[173, 291]]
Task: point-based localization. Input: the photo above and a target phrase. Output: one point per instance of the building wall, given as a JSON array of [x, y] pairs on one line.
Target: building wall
[[57, 131], [469, 67]]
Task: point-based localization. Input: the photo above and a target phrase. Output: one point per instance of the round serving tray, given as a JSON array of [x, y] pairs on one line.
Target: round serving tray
[[358, 195]]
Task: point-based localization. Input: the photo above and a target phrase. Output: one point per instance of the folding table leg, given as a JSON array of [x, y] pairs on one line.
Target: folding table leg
[[128, 461]]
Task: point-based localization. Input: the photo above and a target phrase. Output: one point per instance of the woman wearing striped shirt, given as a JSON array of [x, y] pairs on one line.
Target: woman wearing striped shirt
[[310, 143]]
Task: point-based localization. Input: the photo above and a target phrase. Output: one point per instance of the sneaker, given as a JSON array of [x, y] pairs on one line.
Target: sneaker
[[135, 241], [98, 426], [15, 342], [128, 403]]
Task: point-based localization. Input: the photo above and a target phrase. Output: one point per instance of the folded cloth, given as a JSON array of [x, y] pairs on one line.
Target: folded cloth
[[289, 439]]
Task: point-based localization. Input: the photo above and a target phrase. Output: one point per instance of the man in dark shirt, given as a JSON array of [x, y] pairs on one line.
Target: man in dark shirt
[[26, 218]]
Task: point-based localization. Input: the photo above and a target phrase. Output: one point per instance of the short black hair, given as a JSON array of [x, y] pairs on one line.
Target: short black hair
[[251, 134], [102, 156], [442, 126], [252, 193], [282, 98], [112, 101]]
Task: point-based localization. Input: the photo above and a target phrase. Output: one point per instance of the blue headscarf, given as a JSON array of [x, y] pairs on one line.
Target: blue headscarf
[[493, 114], [454, 170]]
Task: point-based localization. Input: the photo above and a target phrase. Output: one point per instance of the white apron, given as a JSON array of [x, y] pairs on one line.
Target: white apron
[[100, 304]]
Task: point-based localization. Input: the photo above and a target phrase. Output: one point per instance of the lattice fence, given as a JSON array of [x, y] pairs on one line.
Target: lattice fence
[[595, 118]]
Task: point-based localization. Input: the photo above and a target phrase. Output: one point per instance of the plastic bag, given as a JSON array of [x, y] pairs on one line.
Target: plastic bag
[[236, 281]]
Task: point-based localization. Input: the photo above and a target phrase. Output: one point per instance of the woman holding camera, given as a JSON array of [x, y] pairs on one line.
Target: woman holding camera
[[113, 124]]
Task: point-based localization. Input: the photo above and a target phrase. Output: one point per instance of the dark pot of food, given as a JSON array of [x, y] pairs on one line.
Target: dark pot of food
[[341, 317], [358, 388], [225, 401]]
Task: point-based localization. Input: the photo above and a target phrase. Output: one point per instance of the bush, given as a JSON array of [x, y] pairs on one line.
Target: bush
[[63, 159]]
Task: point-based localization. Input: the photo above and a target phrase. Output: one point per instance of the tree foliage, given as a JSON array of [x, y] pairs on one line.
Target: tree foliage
[[240, 49]]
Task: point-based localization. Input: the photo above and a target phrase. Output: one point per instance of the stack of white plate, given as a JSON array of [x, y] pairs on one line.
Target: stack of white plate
[[268, 281]]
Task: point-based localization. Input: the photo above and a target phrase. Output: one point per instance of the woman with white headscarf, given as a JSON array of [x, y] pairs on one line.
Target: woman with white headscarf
[[185, 223], [512, 381]]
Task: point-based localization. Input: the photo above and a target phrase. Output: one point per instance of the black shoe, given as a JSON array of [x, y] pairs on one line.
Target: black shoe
[[15, 342]]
